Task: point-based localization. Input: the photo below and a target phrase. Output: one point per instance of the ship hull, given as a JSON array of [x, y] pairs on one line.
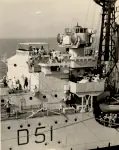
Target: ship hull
[[80, 131]]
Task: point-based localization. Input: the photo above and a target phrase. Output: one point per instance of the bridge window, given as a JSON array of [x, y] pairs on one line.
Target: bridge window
[[85, 29], [77, 30], [67, 50], [81, 30]]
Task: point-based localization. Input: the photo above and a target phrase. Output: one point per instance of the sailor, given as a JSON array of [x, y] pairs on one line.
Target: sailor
[[35, 89], [18, 85], [60, 58], [90, 79], [33, 50], [42, 50], [14, 83], [25, 83], [50, 54], [63, 102], [37, 49], [5, 81], [91, 52], [53, 53], [8, 108], [114, 119], [68, 100], [106, 119], [110, 120], [30, 48]]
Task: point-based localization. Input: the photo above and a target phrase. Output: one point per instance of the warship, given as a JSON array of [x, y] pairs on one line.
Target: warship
[[64, 101]]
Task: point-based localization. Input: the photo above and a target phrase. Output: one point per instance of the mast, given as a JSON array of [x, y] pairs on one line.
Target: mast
[[108, 53]]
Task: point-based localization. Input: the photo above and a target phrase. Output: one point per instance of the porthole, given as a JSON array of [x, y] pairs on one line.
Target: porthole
[[55, 95], [21, 126], [44, 96], [59, 142], [15, 65], [56, 122], [66, 121], [2, 100], [30, 98], [39, 124], [9, 127], [28, 125]]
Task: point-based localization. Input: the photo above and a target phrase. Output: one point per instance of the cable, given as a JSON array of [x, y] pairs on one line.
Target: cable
[[97, 39], [94, 15], [87, 13]]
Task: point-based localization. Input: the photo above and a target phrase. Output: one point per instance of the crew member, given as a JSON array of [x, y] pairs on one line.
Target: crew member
[[5, 81], [26, 83], [8, 108], [42, 50]]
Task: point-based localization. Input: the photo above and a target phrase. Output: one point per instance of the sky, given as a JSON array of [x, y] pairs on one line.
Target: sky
[[46, 18]]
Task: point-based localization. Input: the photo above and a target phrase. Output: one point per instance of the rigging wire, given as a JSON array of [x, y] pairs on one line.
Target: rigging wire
[[98, 29], [89, 4], [93, 16]]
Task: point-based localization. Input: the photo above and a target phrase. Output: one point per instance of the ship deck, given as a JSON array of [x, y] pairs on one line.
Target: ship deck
[[30, 102]]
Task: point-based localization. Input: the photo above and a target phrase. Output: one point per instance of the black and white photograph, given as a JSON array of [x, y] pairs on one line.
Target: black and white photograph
[[59, 74]]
